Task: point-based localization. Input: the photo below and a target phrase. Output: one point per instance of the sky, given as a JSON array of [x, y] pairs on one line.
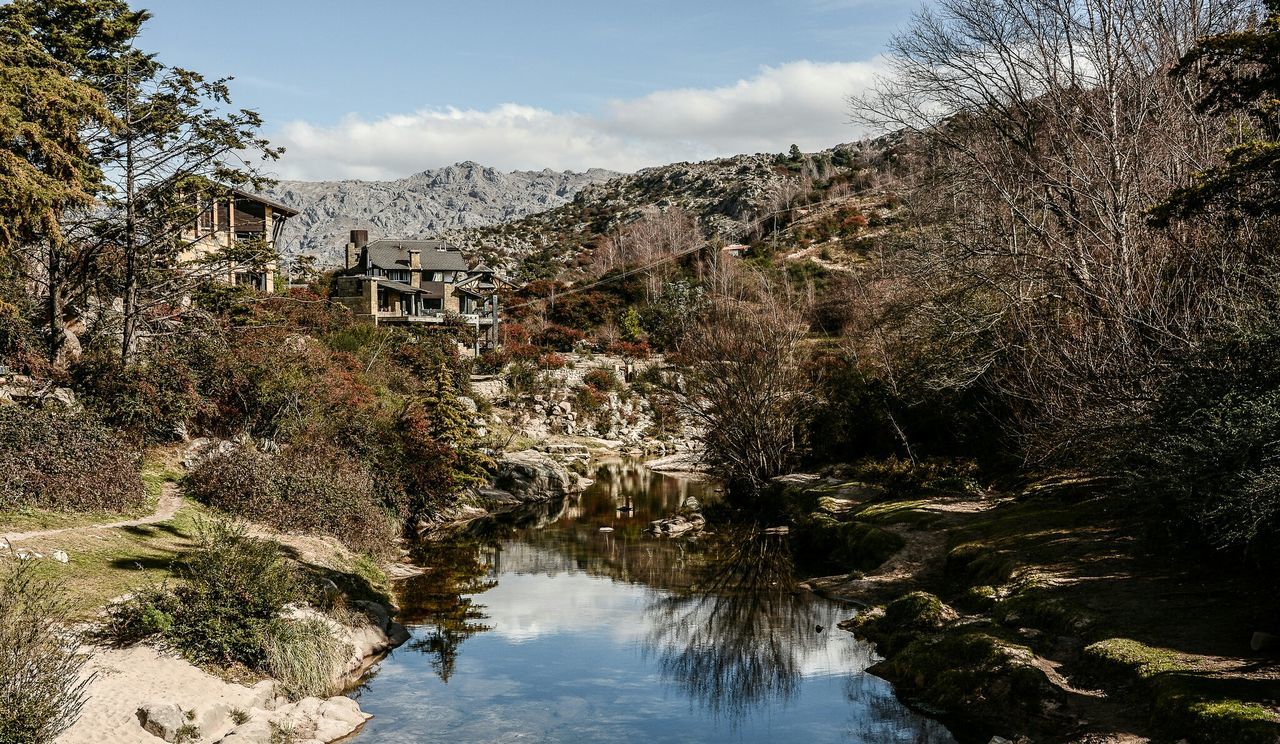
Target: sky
[[382, 89]]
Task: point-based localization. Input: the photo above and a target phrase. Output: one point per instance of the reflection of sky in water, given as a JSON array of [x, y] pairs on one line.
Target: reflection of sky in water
[[576, 656]]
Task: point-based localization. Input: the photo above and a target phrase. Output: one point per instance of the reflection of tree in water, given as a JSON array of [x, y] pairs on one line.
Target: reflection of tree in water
[[738, 638], [436, 599]]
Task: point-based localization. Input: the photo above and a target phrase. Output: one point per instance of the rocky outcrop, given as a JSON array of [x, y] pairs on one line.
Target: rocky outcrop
[[33, 393], [425, 204], [531, 475]]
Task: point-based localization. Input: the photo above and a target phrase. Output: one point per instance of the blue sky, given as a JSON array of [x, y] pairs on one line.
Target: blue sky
[[381, 88]]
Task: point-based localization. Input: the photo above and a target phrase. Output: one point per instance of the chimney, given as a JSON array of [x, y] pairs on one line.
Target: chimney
[[359, 239], [415, 267]]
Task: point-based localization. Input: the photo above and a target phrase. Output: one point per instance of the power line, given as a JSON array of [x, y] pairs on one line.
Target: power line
[[607, 279]]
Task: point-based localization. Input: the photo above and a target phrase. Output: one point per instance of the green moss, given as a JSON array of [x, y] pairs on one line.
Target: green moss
[[978, 598], [899, 512], [1035, 607], [975, 563], [970, 673], [826, 546], [918, 611], [1127, 658], [1183, 701]]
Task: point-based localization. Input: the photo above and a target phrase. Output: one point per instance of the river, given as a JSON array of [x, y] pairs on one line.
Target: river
[[541, 627]]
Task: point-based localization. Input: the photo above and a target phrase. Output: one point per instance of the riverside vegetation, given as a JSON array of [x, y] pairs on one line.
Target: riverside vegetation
[[1008, 375]]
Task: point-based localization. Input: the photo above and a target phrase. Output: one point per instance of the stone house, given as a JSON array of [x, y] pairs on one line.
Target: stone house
[[241, 225], [416, 281]]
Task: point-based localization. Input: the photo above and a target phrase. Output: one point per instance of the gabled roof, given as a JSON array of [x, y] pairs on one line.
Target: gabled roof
[[437, 255]]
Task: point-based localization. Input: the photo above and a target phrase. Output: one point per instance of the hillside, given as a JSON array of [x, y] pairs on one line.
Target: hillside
[[465, 195], [735, 199]]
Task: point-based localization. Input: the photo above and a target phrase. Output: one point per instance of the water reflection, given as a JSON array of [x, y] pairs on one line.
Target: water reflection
[[541, 626]]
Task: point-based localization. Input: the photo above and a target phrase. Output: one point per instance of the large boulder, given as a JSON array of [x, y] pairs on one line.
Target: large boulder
[[531, 475], [162, 719]]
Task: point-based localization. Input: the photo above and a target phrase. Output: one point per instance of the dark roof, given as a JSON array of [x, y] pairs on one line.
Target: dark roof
[[275, 205], [400, 287], [437, 255]]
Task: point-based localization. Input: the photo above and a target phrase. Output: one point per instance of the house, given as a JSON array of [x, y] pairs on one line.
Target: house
[[416, 281], [735, 250], [233, 237]]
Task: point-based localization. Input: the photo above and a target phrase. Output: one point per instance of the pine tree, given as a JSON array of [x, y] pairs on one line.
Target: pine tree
[[1242, 70], [46, 166]]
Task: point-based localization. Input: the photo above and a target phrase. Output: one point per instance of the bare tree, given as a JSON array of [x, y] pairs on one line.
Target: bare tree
[[1044, 131], [745, 388]]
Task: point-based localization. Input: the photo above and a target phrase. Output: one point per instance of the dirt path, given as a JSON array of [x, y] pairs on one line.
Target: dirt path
[[167, 506]]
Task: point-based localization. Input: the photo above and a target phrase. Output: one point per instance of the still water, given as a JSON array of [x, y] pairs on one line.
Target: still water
[[540, 627]]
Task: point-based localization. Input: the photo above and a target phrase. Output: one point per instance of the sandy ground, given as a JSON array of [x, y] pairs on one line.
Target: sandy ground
[[127, 677]]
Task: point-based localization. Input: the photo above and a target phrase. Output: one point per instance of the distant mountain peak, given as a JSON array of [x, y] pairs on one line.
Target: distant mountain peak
[[428, 203]]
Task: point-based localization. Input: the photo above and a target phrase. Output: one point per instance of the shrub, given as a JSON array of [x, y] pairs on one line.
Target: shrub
[[1210, 451], [146, 613], [629, 349], [60, 460], [41, 688], [312, 489], [602, 379], [559, 338], [152, 398], [305, 657], [233, 587]]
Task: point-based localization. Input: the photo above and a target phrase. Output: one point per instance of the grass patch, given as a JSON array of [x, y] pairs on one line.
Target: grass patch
[[1183, 701], [305, 657]]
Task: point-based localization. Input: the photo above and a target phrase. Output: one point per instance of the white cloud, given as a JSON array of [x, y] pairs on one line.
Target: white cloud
[[799, 102]]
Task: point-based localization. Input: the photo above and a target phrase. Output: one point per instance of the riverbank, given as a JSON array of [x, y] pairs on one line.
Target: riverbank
[[1047, 614], [148, 691]]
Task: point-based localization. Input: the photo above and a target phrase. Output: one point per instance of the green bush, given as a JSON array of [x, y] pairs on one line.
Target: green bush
[[146, 613], [65, 461], [233, 587], [41, 688], [316, 490], [1210, 451]]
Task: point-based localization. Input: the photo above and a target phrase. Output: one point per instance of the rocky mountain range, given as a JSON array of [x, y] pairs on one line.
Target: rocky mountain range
[[549, 217], [466, 195]]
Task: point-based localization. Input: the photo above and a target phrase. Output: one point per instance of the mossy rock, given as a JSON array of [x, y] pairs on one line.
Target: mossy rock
[[1184, 703], [978, 598], [901, 622], [825, 546], [972, 674], [976, 563], [1035, 607]]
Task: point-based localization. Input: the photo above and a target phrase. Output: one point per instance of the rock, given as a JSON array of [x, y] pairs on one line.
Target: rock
[[677, 525], [203, 448], [533, 475], [27, 554], [162, 719], [680, 462], [4, 545], [61, 556], [468, 403]]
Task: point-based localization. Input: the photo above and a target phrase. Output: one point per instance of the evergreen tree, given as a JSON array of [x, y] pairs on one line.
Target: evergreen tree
[[1242, 70], [46, 166]]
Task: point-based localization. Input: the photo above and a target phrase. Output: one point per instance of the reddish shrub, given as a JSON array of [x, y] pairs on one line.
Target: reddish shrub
[[58, 460], [629, 349]]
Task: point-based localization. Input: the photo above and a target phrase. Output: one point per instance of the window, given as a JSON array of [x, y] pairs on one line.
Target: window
[[398, 276], [433, 304]]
